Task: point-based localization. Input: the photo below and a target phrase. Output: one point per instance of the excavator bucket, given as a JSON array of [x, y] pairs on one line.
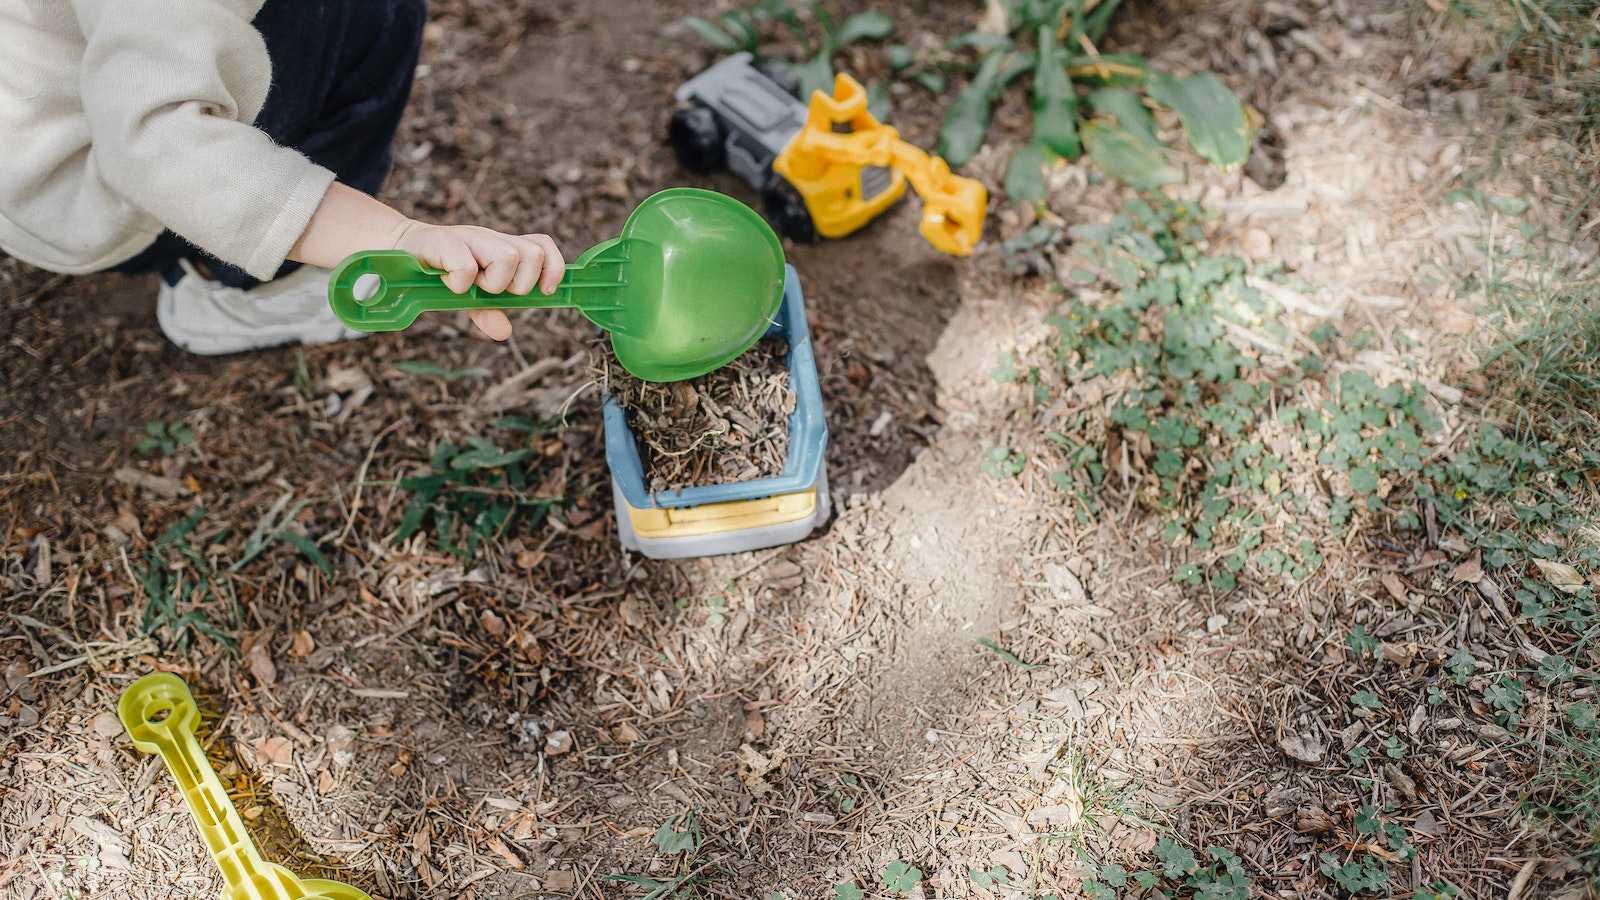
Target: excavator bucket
[[953, 209]]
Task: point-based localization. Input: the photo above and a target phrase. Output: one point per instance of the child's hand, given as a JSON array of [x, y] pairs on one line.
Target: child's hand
[[495, 262]]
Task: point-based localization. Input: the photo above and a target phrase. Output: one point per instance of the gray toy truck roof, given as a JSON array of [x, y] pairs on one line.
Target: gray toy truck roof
[[752, 106]]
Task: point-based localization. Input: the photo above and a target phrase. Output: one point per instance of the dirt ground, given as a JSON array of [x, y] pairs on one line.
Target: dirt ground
[[523, 724]]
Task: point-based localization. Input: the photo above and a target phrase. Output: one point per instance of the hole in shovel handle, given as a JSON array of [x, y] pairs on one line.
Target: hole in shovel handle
[[367, 288]]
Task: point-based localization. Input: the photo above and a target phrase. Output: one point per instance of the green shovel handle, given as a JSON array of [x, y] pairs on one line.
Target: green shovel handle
[[385, 290]]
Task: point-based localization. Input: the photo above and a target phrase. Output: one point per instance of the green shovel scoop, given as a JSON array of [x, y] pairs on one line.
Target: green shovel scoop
[[692, 282]]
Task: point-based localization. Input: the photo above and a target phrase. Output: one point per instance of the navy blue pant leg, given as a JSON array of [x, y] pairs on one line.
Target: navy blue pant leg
[[341, 75]]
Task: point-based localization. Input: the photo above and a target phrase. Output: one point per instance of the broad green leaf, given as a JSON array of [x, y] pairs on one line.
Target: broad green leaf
[[815, 74], [487, 458], [1176, 860], [678, 834], [1017, 65], [1094, 24], [848, 890], [863, 26], [1212, 116], [1129, 111], [1025, 171], [932, 82], [967, 120], [1055, 102], [878, 102], [900, 56], [434, 370], [1582, 715], [742, 28], [979, 40], [1363, 479], [710, 33], [1094, 890], [1128, 157], [901, 878]]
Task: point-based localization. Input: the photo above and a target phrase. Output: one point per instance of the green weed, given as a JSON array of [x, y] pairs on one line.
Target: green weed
[[743, 29], [175, 587], [476, 492], [163, 438]]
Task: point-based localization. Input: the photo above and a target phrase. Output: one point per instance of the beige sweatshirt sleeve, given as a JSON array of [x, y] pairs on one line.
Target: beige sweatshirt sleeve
[[170, 88]]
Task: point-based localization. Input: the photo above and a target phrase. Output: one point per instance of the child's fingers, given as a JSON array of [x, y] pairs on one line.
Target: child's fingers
[[528, 268], [456, 259], [498, 258], [492, 322], [554, 264]]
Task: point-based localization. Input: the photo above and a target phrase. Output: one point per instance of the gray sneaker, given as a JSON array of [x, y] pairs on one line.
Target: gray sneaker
[[210, 319]]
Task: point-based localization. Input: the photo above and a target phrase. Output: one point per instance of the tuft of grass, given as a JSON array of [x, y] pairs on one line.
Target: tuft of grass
[[1553, 49], [1543, 371]]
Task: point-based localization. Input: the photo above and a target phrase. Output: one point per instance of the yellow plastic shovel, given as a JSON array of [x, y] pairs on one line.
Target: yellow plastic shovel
[[159, 714]]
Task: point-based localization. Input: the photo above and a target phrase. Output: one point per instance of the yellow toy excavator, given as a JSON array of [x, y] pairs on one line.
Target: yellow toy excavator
[[825, 168]]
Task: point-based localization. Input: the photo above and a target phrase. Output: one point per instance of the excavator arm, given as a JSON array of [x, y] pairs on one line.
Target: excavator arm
[[953, 207]]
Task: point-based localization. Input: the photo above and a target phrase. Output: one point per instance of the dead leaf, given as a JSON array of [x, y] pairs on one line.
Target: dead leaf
[[1012, 860], [325, 782], [1561, 576], [1303, 748], [1395, 587], [1399, 652], [1056, 814], [1470, 571], [259, 659], [301, 645], [105, 725], [1313, 820], [756, 767], [112, 844], [558, 743], [1457, 322], [1139, 841], [754, 725], [632, 614], [339, 740], [275, 751], [159, 485], [505, 853], [492, 623], [626, 733], [559, 882], [1401, 781], [341, 380]]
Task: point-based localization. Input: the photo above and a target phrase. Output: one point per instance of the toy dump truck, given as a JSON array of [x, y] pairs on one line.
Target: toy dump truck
[[824, 168]]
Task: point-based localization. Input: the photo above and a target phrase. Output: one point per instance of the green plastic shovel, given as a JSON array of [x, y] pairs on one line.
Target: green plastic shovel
[[692, 282]]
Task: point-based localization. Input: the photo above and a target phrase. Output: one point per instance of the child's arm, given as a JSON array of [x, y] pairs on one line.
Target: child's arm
[[169, 108], [348, 220]]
